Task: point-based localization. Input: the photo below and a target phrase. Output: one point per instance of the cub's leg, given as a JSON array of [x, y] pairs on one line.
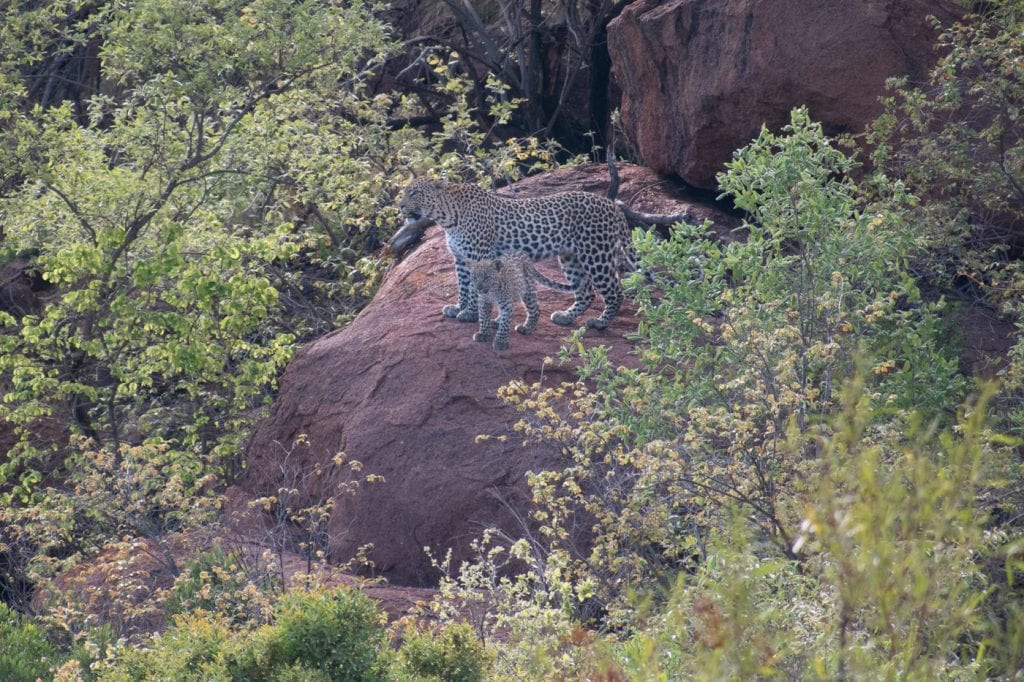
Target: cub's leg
[[486, 325], [577, 277], [466, 310], [532, 308], [505, 310]]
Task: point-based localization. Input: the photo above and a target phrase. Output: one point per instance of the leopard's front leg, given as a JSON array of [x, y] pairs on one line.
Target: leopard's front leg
[[466, 311], [505, 312], [486, 330]]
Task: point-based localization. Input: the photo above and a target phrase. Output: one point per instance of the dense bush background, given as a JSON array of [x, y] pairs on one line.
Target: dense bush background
[[799, 481]]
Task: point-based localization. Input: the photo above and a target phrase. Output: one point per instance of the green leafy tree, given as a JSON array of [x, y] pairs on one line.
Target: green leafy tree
[[957, 142], [164, 325], [218, 199]]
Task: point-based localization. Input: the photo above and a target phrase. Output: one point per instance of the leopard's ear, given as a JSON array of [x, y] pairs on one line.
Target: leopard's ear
[[497, 264]]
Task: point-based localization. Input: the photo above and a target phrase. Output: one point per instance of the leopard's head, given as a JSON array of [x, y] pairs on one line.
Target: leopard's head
[[485, 273], [423, 198]]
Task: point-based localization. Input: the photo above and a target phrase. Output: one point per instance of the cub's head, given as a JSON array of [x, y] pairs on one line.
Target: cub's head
[[485, 273], [422, 198]]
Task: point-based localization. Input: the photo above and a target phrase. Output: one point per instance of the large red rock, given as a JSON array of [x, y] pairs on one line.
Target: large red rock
[[699, 78], [406, 392]]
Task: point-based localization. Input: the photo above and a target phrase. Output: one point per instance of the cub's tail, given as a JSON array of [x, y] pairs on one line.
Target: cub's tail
[[537, 277]]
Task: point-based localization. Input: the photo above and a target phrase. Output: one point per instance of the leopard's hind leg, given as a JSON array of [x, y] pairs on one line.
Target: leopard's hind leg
[[606, 281], [532, 309], [577, 277]]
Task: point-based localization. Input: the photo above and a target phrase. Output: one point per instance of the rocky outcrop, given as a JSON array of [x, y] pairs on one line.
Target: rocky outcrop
[[699, 78], [406, 392]]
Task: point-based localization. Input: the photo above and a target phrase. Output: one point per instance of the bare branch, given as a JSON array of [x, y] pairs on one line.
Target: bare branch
[[75, 211], [471, 22]]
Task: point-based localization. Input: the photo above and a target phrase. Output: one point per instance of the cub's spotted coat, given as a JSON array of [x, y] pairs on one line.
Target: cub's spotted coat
[[503, 282]]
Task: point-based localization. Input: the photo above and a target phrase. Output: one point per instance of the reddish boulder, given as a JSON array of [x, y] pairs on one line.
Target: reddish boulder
[[406, 392], [700, 78]]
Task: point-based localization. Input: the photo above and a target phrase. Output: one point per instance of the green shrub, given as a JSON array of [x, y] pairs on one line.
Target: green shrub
[[337, 632], [333, 635], [452, 654], [897, 532], [300, 673], [957, 142], [738, 616], [25, 653], [193, 649], [741, 343], [891, 583]]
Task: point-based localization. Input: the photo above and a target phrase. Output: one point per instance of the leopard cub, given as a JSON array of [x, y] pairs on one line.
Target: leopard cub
[[505, 281]]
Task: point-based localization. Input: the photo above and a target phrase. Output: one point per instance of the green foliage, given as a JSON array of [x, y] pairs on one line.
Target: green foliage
[[462, 148], [338, 632], [168, 323], [333, 634], [221, 198], [300, 673], [743, 344], [521, 595], [739, 616], [898, 531], [191, 650], [117, 502], [451, 654], [710, 476], [957, 142], [25, 653], [145, 490], [892, 587]]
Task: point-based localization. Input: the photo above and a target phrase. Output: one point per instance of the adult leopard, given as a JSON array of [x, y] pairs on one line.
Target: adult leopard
[[588, 234]]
